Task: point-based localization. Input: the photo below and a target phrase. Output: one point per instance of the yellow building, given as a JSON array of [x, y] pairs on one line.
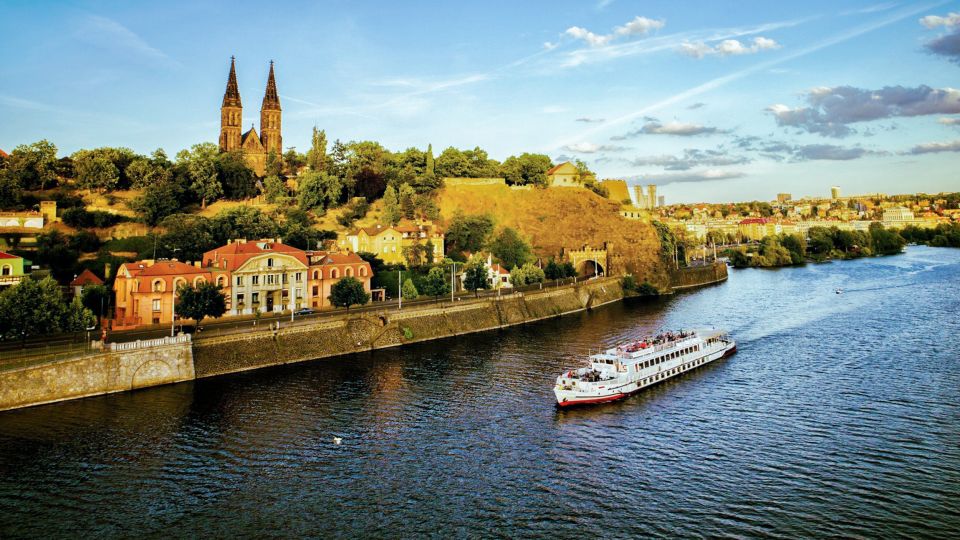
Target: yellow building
[[565, 174], [391, 243]]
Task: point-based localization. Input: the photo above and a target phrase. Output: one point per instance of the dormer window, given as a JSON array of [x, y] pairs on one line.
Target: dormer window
[[269, 263]]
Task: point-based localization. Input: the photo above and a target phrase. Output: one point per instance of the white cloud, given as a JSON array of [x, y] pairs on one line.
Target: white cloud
[[594, 40], [950, 121], [592, 148], [935, 147], [758, 67], [553, 109], [639, 26], [933, 21], [728, 47]]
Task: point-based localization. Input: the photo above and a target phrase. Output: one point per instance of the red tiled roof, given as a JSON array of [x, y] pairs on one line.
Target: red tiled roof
[[238, 253], [86, 278], [557, 167], [4, 154], [171, 268], [4, 255], [759, 221], [341, 258]]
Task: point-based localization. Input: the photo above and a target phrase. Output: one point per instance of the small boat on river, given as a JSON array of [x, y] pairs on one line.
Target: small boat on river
[[628, 368]]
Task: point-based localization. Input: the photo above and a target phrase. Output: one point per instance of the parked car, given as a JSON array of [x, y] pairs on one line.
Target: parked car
[[305, 311]]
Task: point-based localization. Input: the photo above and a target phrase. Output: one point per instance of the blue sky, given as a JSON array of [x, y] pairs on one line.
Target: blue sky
[[712, 101]]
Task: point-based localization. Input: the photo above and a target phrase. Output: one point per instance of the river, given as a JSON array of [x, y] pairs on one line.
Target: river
[[839, 416]]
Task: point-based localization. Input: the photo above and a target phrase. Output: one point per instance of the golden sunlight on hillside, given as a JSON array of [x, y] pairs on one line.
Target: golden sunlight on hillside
[[553, 219]]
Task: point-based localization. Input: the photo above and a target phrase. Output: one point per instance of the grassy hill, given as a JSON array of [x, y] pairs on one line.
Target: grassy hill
[[553, 219]]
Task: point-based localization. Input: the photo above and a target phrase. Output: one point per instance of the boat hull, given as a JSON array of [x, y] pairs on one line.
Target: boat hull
[[566, 399]]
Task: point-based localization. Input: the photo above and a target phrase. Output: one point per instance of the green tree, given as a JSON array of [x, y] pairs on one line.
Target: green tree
[[34, 165], [467, 233], [96, 173], [33, 308], [436, 284], [526, 169], [242, 222], [274, 164], [145, 172], [409, 290], [317, 155], [553, 270], [274, 189], [886, 241], [367, 165], [202, 300], [236, 178], [407, 198], [156, 202], [201, 164], [293, 161], [476, 276], [391, 207], [96, 298], [510, 248], [77, 317], [55, 252], [567, 270], [10, 189], [348, 292], [188, 236], [318, 191]]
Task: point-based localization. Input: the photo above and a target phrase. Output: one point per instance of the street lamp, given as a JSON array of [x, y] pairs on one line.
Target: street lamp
[[173, 299]]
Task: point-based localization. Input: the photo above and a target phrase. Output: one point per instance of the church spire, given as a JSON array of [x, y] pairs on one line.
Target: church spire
[[270, 99], [231, 98]]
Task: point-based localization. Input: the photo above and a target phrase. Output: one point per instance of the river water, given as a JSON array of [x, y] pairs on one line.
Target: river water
[[839, 416]]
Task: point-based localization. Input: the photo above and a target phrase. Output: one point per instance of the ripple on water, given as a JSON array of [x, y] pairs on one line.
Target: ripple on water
[[838, 417]]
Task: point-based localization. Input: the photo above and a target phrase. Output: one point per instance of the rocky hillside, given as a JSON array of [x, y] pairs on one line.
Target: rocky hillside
[[553, 219]]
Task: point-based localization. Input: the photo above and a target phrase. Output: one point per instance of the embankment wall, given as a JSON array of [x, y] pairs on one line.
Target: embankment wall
[[377, 330], [686, 278], [102, 373]]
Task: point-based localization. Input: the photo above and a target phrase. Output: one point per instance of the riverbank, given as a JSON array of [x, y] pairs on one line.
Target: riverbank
[[392, 328], [141, 364]]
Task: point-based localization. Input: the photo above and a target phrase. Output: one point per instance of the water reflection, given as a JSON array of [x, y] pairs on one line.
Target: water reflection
[[838, 416]]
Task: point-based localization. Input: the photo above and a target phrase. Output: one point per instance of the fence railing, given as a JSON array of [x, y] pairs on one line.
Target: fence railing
[[147, 343]]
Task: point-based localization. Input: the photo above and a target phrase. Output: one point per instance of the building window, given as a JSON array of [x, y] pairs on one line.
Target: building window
[[316, 290], [316, 274], [240, 299], [299, 292], [363, 271], [334, 274], [156, 305], [298, 277], [158, 285], [7, 270], [256, 297], [269, 279], [221, 281], [255, 280], [239, 280], [269, 263], [285, 276], [348, 272]]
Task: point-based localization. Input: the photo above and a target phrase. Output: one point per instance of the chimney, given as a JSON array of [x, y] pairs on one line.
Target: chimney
[[106, 271]]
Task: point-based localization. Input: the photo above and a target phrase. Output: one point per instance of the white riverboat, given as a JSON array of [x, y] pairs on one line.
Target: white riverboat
[[628, 368]]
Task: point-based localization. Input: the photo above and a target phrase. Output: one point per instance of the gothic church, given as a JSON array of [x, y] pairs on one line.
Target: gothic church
[[254, 147]]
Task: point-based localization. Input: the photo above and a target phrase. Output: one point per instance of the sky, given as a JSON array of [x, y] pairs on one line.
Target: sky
[[711, 101]]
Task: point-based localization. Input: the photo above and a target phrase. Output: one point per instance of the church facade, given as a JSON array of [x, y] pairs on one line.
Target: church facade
[[255, 146]]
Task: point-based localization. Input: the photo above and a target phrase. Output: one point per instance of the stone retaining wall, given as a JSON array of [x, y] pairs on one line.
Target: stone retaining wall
[[101, 373], [686, 278], [377, 330]]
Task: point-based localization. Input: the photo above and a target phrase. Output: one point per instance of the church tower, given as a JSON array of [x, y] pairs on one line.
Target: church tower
[[231, 112], [270, 117]]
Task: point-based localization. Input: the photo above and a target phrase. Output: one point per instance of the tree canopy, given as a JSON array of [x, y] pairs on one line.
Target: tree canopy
[[200, 301], [510, 248], [32, 308], [348, 292]]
